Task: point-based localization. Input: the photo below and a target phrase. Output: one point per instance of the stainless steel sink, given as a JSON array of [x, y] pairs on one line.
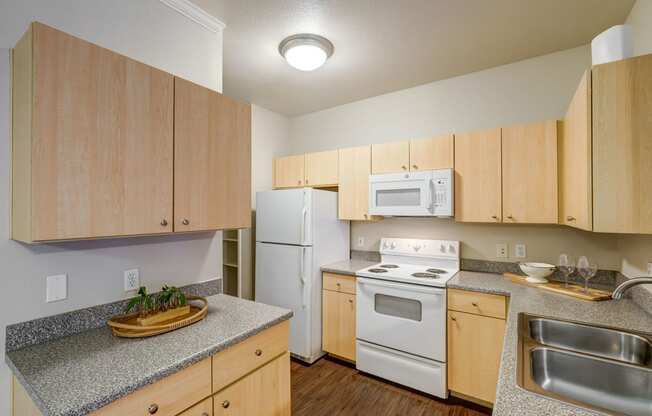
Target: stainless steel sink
[[601, 368], [603, 342]]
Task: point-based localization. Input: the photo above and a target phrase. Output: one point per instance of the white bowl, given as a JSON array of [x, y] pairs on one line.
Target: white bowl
[[537, 272]]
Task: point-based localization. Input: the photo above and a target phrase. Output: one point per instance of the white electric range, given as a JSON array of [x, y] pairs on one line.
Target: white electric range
[[401, 313]]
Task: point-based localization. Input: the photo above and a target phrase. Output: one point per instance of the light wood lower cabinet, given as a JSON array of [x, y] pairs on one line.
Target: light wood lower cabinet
[[265, 392], [338, 324], [475, 344]]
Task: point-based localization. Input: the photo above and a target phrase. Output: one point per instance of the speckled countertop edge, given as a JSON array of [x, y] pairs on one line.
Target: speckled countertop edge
[[510, 398], [349, 267], [32, 378]]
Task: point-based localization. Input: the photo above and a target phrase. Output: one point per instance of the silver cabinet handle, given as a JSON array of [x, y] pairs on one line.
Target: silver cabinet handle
[[226, 404], [153, 408], [164, 222], [185, 221]]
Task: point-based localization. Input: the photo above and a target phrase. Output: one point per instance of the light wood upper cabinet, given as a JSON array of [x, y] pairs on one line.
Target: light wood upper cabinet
[[529, 158], [390, 157], [622, 146], [212, 160], [92, 141], [265, 392], [478, 176], [353, 192], [289, 171], [475, 345], [432, 153], [575, 177], [321, 168], [338, 312]]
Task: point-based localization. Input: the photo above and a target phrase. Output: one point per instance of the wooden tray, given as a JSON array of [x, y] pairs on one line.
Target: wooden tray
[[573, 290], [127, 326]]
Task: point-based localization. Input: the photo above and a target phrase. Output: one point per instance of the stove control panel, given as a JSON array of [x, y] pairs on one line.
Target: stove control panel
[[420, 248]]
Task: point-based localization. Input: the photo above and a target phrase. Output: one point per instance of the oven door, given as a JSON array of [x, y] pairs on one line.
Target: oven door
[[406, 317], [401, 194]]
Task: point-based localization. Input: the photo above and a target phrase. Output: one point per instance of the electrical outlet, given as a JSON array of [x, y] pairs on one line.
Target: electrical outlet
[[520, 251], [56, 287], [132, 280], [360, 241], [501, 250], [649, 268]]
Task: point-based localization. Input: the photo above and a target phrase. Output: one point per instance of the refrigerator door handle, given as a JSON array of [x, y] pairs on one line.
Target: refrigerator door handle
[[304, 213], [302, 278]]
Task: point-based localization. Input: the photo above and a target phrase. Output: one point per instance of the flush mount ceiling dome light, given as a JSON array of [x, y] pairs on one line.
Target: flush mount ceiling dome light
[[305, 51]]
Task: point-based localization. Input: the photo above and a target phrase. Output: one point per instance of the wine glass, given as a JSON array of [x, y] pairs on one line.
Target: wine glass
[[587, 270], [566, 266]]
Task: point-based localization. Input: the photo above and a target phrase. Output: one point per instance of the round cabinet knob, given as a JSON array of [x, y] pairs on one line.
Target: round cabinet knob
[[258, 353], [404, 167], [164, 222], [474, 304], [366, 216], [204, 414], [495, 217], [226, 404], [185, 221], [153, 408], [415, 167], [306, 181], [453, 318], [350, 300], [299, 182], [569, 218], [509, 217]]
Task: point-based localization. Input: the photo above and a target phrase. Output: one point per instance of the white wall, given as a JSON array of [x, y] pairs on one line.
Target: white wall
[[150, 32], [641, 20]]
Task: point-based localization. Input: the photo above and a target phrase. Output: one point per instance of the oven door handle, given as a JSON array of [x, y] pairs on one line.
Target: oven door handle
[[401, 286]]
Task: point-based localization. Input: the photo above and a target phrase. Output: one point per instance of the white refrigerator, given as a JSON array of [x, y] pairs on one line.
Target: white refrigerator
[[297, 231]]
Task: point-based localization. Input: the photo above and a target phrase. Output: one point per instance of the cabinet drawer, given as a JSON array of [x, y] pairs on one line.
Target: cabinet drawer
[[237, 361], [204, 408], [478, 303], [339, 283], [170, 395]]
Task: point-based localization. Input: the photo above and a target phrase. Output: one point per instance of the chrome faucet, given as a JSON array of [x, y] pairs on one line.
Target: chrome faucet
[[623, 287]]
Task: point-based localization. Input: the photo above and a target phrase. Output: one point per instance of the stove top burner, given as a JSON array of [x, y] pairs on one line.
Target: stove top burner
[[426, 275], [377, 270], [436, 271], [388, 266]]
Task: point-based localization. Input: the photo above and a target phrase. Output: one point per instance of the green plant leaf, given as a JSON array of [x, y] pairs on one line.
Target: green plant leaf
[[132, 303], [182, 299]]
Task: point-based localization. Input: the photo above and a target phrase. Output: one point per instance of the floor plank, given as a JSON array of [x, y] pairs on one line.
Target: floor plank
[[330, 388]]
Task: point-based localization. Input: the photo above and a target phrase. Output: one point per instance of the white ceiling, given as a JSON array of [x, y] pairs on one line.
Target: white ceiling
[[388, 45]]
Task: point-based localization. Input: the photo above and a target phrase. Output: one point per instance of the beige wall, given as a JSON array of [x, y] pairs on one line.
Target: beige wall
[[535, 89], [151, 32]]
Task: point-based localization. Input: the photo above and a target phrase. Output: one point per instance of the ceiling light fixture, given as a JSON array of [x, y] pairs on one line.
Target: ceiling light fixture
[[305, 51]]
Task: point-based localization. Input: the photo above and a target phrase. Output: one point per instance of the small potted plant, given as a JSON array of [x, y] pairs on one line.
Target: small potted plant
[[168, 304]]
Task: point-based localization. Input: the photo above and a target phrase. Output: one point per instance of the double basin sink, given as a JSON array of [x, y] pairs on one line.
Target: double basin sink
[[601, 368]]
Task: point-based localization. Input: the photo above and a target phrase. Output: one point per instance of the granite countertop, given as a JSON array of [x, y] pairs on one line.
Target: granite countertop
[[74, 375], [511, 399], [347, 266]]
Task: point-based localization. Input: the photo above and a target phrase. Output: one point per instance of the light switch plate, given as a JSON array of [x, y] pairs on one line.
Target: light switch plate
[[56, 288], [131, 280], [501, 250], [520, 251]]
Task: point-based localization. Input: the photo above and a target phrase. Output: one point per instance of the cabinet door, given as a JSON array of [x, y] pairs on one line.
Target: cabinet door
[[475, 345], [622, 146], [353, 191], [212, 160], [338, 336], [204, 408], [101, 156], [265, 392], [530, 173], [433, 153], [575, 189], [478, 178], [390, 157], [321, 168], [289, 171]]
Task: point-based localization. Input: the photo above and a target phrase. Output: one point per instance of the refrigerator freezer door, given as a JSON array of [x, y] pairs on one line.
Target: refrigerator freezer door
[[284, 216], [283, 279]]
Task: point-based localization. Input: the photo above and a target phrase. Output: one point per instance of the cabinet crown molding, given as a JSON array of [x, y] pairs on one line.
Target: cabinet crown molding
[[196, 14]]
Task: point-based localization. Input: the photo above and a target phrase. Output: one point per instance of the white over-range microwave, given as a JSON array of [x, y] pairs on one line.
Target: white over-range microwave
[[417, 194]]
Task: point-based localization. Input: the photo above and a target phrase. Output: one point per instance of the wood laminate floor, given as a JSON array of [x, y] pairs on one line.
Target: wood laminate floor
[[329, 388]]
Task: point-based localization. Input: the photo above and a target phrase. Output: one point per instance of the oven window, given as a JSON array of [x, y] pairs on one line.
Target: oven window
[[399, 307], [409, 197]]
